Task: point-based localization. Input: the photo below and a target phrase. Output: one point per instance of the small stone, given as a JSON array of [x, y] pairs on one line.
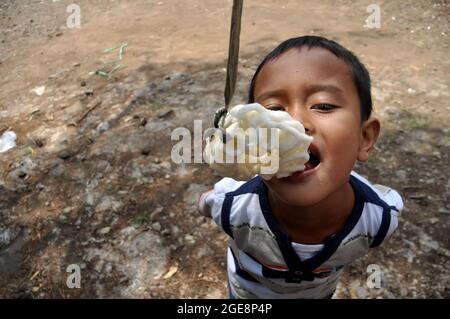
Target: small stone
[[165, 165], [39, 143], [433, 220], [99, 266], [76, 64], [175, 230], [35, 289], [56, 75], [437, 154], [104, 230], [167, 176], [128, 231], [21, 174], [108, 268], [165, 113], [65, 154], [103, 127], [83, 83], [146, 150], [108, 203], [418, 196], [444, 211], [89, 92], [401, 175], [67, 210], [156, 212], [39, 90], [6, 236], [143, 122], [157, 160], [156, 226], [155, 127]]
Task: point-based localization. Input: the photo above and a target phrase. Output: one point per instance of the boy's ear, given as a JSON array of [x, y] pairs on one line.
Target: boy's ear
[[369, 135]]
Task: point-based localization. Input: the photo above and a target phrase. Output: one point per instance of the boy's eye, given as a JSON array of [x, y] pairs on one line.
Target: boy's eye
[[324, 106], [276, 108]]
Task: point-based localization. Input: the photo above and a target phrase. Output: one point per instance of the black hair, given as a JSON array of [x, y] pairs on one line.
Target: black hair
[[360, 74]]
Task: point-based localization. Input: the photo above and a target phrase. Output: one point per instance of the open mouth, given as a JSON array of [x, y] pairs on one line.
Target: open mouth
[[310, 166], [314, 158]]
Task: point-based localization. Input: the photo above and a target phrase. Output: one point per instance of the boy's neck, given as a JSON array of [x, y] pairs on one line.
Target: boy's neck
[[315, 223]]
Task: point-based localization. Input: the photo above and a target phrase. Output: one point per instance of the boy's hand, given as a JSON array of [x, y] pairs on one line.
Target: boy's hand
[[203, 208]]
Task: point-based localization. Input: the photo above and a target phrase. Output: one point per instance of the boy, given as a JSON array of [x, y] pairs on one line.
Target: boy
[[291, 237]]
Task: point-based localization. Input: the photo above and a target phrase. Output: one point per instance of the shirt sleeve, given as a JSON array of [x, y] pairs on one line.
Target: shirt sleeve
[[388, 223], [210, 203], [392, 225], [390, 196]]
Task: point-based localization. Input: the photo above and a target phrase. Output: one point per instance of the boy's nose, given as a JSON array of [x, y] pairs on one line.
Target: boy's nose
[[301, 115]]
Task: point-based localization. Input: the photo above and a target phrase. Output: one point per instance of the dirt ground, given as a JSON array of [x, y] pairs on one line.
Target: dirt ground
[[91, 181]]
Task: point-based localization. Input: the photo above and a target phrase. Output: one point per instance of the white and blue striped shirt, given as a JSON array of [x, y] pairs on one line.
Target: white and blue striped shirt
[[263, 262]]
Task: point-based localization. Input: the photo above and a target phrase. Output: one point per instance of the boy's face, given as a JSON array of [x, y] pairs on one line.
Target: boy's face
[[317, 88]]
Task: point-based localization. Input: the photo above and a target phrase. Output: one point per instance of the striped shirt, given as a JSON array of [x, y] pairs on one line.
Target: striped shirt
[[263, 262]]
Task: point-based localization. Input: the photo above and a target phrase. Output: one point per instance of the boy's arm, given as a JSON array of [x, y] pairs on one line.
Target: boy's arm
[[210, 203], [203, 206]]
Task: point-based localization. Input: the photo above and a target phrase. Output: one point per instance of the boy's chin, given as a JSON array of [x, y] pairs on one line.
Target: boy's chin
[[299, 201], [297, 196]]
